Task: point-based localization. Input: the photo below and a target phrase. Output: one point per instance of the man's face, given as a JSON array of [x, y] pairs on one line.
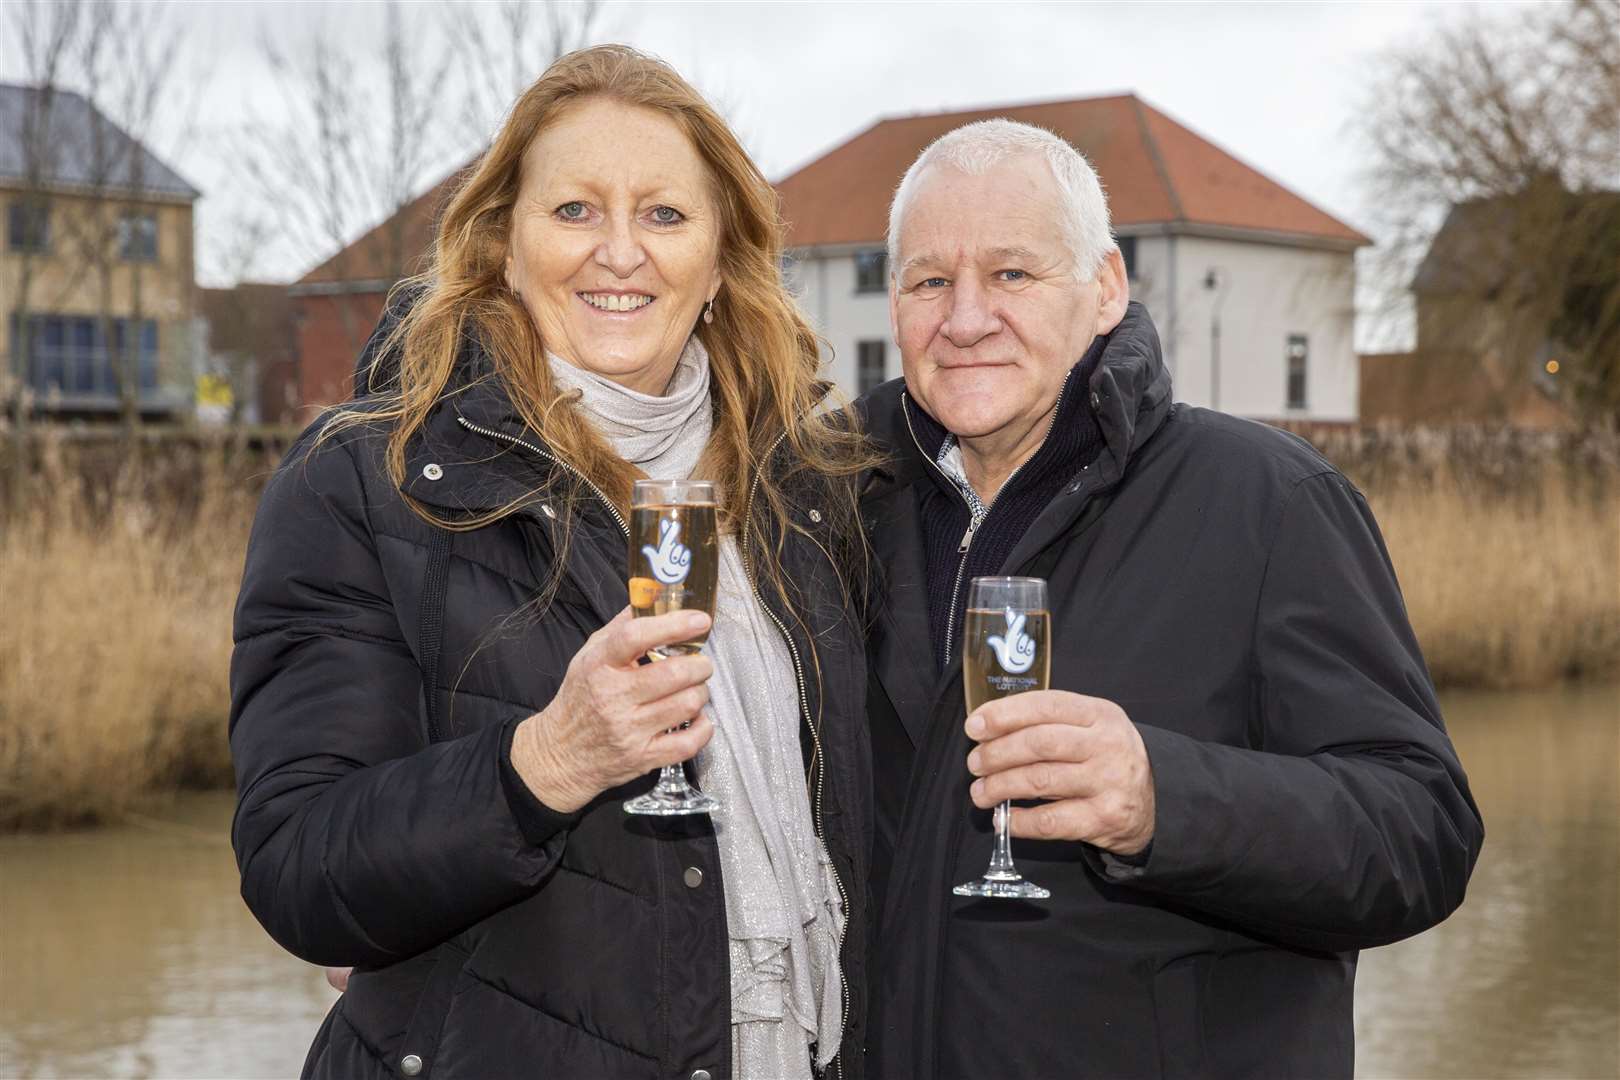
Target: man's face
[[988, 307]]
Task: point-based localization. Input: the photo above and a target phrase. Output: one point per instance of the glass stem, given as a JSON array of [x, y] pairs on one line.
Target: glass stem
[[672, 780], [1001, 862]]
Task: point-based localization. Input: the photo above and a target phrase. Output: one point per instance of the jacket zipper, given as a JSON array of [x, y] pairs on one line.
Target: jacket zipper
[[815, 738], [793, 650], [490, 433], [974, 520]]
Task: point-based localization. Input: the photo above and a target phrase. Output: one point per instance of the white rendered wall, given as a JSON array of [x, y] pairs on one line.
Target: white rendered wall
[[1266, 293], [824, 282]]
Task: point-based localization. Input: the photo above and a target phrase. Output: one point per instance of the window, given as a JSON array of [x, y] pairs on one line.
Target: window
[[138, 237], [1127, 251], [1299, 352], [28, 226], [872, 271], [67, 356], [871, 364]]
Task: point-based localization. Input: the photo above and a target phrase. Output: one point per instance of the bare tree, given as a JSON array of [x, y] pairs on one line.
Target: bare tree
[[502, 48], [101, 78], [127, 64], [358, 132], [44, 33], [1495, 162]]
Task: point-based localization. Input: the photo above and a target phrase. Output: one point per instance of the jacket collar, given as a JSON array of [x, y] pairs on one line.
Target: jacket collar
[[474, 454], [1128, 392]]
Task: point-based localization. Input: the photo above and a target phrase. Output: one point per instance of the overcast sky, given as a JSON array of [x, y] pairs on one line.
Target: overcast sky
[[1277, 85]]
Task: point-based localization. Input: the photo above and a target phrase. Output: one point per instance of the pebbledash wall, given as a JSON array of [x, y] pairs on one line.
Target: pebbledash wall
[[1273, 296]]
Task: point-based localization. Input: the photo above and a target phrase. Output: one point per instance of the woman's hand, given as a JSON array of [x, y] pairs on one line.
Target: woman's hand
[[614, 718]]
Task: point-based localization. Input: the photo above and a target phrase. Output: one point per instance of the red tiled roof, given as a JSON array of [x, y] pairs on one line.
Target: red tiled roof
[[375, 256], [1155, 171]]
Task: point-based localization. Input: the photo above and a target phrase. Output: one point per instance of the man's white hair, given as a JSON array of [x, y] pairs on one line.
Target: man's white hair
[[977, 148]]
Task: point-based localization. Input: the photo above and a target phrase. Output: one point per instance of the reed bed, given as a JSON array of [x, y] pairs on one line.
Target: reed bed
[[118, 572], [117, 576], [1507, 546]]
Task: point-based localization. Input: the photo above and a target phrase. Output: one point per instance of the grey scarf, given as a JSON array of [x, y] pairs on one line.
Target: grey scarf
[[783, 913]]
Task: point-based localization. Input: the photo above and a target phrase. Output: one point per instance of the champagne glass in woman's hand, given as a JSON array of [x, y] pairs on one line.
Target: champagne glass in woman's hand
[[616, 717], [674, 566]]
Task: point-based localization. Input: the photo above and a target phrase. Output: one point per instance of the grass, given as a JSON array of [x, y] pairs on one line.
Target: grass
[[118, 574]]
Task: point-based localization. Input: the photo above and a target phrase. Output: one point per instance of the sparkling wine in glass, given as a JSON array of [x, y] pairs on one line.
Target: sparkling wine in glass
[[674, 566], [1006, 650]]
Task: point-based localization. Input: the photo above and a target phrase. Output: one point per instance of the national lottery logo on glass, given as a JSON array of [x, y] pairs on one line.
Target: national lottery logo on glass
[[674, 550], [1014, 650], [670, 560]]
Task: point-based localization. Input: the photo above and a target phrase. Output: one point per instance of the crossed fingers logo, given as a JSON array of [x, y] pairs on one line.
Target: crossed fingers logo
[[671, 560], [1015, 651]]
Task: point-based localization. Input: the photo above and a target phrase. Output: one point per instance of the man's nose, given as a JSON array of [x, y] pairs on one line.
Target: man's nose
[[971, 317], [620, 250]]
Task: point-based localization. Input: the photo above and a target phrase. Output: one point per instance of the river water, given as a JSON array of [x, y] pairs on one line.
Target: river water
[[126, 952]]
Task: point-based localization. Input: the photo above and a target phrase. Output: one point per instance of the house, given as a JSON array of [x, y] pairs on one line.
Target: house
[[96, 267], [1250, 285], [1510, 301], [338, 303], [251, 356]]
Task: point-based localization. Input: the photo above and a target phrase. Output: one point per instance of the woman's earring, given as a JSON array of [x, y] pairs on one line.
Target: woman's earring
[[708, 311]]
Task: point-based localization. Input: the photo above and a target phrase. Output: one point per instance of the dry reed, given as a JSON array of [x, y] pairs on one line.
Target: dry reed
[[1507, 546], [117, 584], [117, 579]]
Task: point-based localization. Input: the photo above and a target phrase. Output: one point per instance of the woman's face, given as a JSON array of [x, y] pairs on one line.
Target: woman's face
[[615, 241]]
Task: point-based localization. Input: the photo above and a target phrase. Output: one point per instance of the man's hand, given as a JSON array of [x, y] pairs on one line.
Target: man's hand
[[1081, 753]]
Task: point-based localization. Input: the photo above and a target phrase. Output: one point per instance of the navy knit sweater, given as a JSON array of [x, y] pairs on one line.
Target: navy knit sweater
[[1074, 441]]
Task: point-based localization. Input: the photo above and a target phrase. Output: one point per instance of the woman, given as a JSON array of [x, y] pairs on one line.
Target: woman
[[438, 708]]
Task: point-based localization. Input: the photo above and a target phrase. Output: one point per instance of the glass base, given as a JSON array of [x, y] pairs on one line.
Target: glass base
[[1013, 888], [659, 803]]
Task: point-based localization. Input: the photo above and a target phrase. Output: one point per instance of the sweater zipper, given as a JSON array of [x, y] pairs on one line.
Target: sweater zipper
[[819, 757], [490, 433], [974, 520]]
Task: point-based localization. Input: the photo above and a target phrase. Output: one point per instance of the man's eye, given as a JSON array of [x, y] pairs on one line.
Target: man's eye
[[931, 283], [1011, 275], [571, 211], [667, 215]]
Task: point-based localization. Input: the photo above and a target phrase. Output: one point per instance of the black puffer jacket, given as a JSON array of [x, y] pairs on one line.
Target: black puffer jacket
[[1228, 588], [381, 665]]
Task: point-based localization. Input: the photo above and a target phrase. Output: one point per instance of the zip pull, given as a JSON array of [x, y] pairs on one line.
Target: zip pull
[[967, 537]]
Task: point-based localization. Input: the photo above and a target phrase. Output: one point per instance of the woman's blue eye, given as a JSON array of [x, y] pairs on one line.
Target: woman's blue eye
[[666, 215], [572, 211]]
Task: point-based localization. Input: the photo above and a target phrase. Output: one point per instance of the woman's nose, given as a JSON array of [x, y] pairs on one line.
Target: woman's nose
[[620, 250]]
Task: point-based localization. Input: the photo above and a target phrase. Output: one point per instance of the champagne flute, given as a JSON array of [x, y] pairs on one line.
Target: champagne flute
[[674, 565], [1005, 650]]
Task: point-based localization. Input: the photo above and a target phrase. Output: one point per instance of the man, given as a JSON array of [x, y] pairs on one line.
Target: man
[[1240, 776]]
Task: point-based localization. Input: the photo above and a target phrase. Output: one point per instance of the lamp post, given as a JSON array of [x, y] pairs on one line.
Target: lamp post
[[1217, 282]]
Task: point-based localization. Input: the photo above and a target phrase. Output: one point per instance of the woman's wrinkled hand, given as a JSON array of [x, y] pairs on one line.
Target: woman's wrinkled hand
[[615, 718]]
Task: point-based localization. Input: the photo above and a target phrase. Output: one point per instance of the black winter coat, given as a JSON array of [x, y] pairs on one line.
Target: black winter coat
[[380, 667], [1229, 588]]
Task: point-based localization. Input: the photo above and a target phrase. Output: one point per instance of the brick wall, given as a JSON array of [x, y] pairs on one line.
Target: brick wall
[[331, 332]]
